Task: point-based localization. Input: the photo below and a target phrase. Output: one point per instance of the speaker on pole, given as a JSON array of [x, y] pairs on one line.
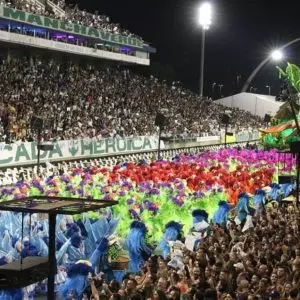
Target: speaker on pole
[[225, 119], [161, 120], [36, 123], [267, 118]]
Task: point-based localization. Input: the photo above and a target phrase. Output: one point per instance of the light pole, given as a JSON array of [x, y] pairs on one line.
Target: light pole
[[213, 89], [269, 87], [205, 15], [220, 87]]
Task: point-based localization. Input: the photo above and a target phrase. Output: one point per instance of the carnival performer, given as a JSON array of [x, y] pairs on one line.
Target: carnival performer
[[200, 224], [220, 216], [243, 209], [259, 201], [139, 252], [199, 215], [172, 233], [275, 190], [77, 280]]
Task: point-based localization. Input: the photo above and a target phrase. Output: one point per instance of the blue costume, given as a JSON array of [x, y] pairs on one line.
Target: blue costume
[[275, 188], [220, 216], [136, 245], [199, 215], [172, 233], [242, 208], [77, 280], [259, 200]]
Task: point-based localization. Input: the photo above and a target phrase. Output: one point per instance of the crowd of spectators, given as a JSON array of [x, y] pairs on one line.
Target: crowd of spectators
[[70, 13], [27, 6], [260, 263], [90, 102]]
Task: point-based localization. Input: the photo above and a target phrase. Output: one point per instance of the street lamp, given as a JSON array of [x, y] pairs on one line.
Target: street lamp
[[220, 87], [269, 87], [205, 20], [213, 89], [277, 55]]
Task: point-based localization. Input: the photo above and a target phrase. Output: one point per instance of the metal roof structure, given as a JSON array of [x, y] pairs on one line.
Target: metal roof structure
[[55, 205]]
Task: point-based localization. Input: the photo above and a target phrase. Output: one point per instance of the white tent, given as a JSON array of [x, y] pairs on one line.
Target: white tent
[[258, 105]]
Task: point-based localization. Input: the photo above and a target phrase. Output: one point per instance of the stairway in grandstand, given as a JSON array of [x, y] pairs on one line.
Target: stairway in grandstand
[[55, 8], [44, 4]]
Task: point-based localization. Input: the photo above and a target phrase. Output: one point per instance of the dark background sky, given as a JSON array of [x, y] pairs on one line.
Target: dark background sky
[[242, 34]]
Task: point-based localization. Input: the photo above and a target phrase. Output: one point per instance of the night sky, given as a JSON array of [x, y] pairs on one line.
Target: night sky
[[242, 34]]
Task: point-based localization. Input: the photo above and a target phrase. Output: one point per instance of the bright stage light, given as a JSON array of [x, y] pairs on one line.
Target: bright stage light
[[277, 55], [205, 15]]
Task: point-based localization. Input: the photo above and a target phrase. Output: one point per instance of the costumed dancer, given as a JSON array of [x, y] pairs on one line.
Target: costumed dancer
[[275, 188], [200, 224], [259, 201], [220, 216], [199, 215], [77, 280], [243, 209], [136, 245], [286, 189], [11, 294], [101, 232], [172, 233]]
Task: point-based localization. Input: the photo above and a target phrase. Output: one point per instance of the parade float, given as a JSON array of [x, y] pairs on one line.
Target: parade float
[[285, 131]]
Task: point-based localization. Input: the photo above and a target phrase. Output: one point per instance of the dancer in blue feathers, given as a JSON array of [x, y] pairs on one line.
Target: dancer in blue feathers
[[77, 280], [220, 216], [199, 216], [11, 294], [136, 245], [275, 188], [286, 189], [104, 228], [172, 233], [259, 201], [243, 209]]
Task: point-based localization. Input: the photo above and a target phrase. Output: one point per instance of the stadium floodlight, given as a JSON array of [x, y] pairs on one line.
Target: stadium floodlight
[[205, 20], [277, 55], [205, 15]]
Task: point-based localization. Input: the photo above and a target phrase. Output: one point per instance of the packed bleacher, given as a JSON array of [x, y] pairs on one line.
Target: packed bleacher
[[90, 102], [71, 13]]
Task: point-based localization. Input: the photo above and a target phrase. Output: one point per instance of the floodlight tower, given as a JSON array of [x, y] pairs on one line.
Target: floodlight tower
[[205, 20]]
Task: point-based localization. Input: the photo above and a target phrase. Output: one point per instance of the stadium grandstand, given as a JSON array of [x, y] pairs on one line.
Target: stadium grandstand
[[104, 216]]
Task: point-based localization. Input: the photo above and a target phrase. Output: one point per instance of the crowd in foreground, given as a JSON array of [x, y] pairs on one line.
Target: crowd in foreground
[[262, 262], [90, 102]]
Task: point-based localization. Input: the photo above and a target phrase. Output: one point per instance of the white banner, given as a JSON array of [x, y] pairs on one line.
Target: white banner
[[26, 153]]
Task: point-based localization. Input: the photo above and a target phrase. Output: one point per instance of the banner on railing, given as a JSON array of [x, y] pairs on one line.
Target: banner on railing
[[26, 153]]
